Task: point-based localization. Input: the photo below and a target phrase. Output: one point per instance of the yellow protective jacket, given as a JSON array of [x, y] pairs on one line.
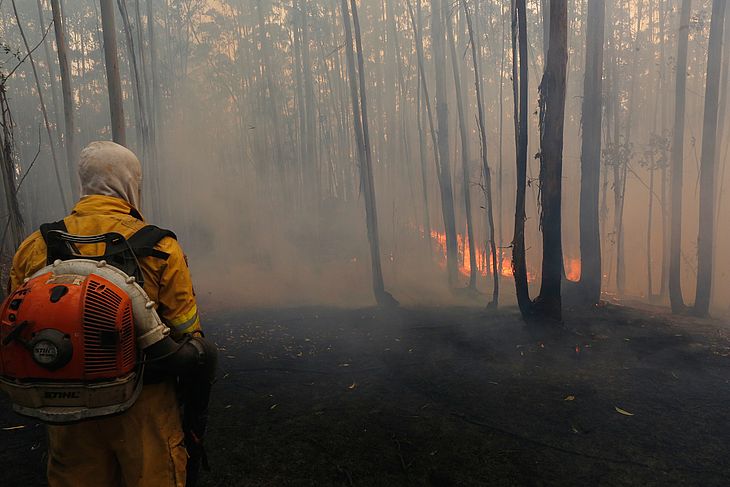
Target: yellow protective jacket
[[167, 282]]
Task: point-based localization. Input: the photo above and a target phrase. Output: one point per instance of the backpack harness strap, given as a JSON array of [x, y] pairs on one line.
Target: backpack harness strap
[[143, 242], [55, 247], [120, 252]]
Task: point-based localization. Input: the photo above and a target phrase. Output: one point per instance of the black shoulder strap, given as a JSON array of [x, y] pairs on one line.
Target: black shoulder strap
[[55, 247], [143, 242], [122, 253]]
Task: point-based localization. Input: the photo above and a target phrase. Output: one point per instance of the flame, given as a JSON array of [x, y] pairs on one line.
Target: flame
[[483, 257], [572, 269]]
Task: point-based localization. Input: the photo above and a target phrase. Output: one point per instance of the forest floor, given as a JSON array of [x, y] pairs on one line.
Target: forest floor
[[454, 396]]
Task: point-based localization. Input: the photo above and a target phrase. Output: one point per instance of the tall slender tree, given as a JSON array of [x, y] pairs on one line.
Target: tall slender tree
[[362, 138], [520, 93], [485, 161], [463, 137], [706, 236], [68, 101], [677, 173], [590, 235], [114, 84], [52, 78], [44, 112], [439, 12], [552, 120]]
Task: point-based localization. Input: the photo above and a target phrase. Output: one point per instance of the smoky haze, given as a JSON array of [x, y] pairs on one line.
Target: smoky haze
[[241, 114]]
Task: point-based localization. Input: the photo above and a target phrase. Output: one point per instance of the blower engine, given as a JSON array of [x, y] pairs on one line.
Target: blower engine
[[71, 341]]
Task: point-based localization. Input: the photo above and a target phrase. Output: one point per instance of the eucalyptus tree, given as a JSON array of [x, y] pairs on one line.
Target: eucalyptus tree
[[677, 172], [706, 236], [114, 84], [521, 109], [552, 120], [68, 101], [464, 140], [485, 162], [359, 110], [439, 12], [590, 236], [44, 111]]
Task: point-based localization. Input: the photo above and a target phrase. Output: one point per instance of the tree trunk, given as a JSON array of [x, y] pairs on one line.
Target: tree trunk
[[418, 35], [438, 13], [14, 225], [677, 173], [382, 297], [51, 72], [312, 169], [519, 56], [590, 237], [68, 101], [552, 120], [722, 148], [464, 154], [500, 175], [706, 235], [116, 106], [485, 160], [663, 288], [44, 112], [649, 224]]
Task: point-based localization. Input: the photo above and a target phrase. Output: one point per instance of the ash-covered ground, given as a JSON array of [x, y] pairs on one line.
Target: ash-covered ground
[[453, 396]]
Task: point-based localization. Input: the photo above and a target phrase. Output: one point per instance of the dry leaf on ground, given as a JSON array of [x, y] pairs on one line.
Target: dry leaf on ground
[[622, 411]]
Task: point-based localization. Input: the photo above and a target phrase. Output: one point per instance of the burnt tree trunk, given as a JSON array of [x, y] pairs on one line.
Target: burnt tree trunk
[[552, 119], [519, 88], [590, 236]]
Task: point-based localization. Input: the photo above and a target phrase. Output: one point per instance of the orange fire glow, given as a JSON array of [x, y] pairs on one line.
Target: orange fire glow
[[483, 257], [572, 269]]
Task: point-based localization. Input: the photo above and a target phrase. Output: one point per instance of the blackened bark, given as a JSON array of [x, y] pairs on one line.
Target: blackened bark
[[590, 238], [552, 118], [520, 87]]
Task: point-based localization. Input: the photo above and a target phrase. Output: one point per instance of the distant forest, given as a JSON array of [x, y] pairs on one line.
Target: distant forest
[[538, 152]]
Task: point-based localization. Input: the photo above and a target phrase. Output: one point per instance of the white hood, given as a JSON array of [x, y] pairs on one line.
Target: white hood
[[109, 169]]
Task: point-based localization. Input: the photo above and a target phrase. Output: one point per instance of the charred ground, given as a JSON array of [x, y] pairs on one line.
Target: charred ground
[[454, 396]]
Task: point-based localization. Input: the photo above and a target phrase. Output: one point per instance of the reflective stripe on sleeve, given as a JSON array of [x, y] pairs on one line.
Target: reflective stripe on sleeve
[[186, 321]]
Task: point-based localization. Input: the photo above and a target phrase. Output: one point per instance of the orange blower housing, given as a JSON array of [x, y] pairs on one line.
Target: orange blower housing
[[68, 348]]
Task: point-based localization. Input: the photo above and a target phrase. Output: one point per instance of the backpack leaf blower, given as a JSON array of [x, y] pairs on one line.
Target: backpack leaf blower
[[75, 337]]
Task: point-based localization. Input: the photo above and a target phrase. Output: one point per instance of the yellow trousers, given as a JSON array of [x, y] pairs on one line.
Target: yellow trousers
[[142, 447]]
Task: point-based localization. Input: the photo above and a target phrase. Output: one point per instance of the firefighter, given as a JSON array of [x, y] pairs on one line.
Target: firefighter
[[144, 446]]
